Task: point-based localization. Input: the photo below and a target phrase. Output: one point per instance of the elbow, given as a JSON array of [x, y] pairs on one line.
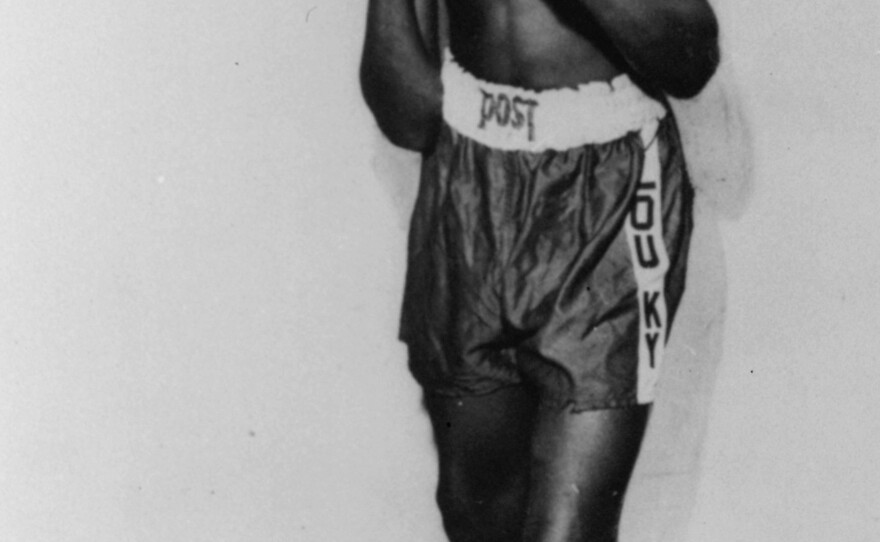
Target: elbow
[[698, 59], [694, 74], [417, 143], [418, 137], [409, 122], [403, 129], [370, 87], [692, 62]]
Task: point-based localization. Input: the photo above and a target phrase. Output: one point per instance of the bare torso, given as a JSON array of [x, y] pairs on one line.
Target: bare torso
[[670, 47], [527, 44]]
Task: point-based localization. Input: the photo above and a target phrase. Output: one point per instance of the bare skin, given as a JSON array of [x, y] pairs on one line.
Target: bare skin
[[668, 46], [510, 470]]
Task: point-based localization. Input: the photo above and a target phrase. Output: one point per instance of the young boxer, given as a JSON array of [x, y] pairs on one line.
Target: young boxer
[[548, 244]]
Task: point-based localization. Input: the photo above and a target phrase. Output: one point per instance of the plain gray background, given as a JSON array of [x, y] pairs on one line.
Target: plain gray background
[[201, 260]]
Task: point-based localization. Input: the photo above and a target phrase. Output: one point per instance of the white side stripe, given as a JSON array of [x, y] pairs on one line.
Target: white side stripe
[[644, 233]]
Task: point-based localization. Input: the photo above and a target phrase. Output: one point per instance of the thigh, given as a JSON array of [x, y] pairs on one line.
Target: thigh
[[581, 464], [484, 445]]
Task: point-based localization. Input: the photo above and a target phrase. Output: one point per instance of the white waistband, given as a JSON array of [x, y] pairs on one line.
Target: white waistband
[[512, 118]]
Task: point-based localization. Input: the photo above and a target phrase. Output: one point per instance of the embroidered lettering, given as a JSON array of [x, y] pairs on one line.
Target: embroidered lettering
[[502, 111], [652, 339], [516, 112], [487, 109], [518, 117], [651, 313], [530, 116], [653, 259], [643, 212]]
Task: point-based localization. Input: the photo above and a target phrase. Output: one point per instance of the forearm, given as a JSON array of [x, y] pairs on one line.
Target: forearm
[[400, 78], [672, 43]]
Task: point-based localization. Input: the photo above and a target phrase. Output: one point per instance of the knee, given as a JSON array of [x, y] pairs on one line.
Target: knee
[[574, 513], [472, 515]]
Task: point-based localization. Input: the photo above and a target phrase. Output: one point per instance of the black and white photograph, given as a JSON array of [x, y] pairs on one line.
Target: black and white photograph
[[440, 271]]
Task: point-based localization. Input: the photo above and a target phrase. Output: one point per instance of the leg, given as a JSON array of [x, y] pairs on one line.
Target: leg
[[581, 464], [483, 444]]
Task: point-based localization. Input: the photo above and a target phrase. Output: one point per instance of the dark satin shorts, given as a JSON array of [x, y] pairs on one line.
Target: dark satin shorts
[[559, 269]]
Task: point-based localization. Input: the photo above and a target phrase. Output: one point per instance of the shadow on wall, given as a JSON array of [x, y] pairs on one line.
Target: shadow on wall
[[718, 147], [719, 152], [717, 141]]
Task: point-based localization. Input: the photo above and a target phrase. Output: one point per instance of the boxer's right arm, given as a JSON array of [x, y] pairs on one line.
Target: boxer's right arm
[[400, 77]]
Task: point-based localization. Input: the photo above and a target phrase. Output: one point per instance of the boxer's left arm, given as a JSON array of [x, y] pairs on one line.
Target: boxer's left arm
[[673, 43], [400, 71]]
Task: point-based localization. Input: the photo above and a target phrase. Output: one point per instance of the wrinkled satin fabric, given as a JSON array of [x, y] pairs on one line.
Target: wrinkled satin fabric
[[519, 268]]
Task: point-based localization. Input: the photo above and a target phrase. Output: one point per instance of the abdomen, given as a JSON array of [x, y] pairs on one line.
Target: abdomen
[[529, 44]]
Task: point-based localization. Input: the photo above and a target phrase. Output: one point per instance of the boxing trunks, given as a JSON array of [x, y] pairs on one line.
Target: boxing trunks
[[548, 243]]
